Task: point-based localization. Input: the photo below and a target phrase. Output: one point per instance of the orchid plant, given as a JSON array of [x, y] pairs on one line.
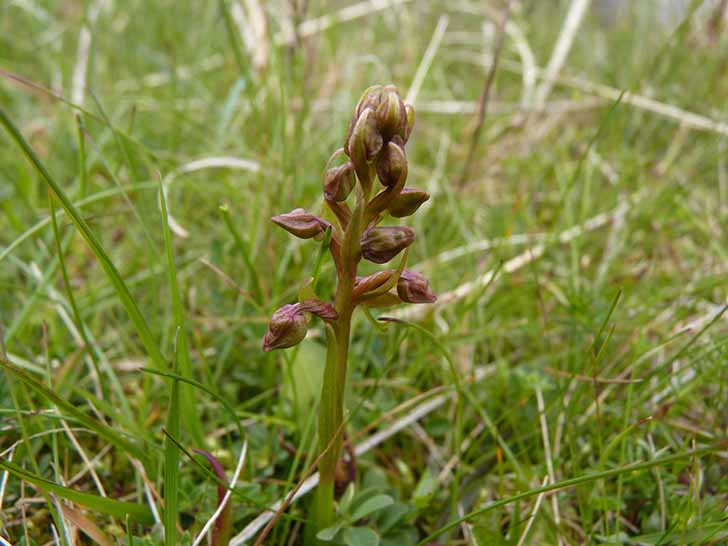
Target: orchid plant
[[374, 148]]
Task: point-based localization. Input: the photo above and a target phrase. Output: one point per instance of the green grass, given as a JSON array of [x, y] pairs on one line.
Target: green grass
[[118, 326]]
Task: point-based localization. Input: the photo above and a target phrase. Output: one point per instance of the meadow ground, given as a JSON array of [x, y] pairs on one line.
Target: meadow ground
[[570, 385]]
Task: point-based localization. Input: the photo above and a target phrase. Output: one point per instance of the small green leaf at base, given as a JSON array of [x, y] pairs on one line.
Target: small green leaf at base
[[329, 534], [359, 536], [371, 505]]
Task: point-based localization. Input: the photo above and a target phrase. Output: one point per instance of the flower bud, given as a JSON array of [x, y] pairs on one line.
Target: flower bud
[[339, 181], [301, 223], [391, 164], [365, 140], [370, 98], [381, 244], [407, 202], [412, 287], [410, 121], [391, 113], [364, 285], [319, 308], [287, 327]]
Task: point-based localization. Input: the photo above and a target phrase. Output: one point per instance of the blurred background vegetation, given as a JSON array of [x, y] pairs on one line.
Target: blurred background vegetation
[[580, 255]]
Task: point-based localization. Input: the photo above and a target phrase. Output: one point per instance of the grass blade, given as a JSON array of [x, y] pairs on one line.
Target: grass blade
[[171, 466], [587, 478], [234, 39], [69, 292], [121, 289], [188, 407], [171, 454], [208, 390], [72, 411], [244, 249], [89, 528], [119, 509], [98, 196]]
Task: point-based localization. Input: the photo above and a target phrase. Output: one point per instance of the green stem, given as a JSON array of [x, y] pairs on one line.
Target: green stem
[[323, 508], [331, 411], [331, 418]]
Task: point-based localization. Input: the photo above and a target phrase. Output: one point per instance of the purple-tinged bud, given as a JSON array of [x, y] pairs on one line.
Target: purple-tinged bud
[[391, 113], [391, 164], [365, 140], [410, 121], [407, 202], [287, 327], [398, 140], [412, 287], [381, 244], [301, 223], [367, 284], [370, 98], [319, 308], [363, 144], [339, 181]]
